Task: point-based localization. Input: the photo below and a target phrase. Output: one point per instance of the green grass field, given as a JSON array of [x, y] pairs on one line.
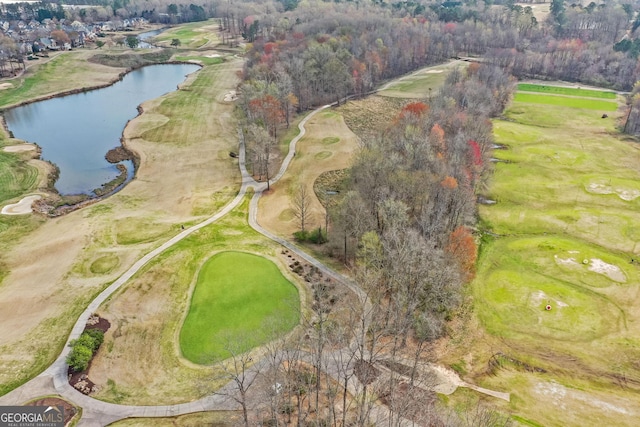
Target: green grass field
[[418, 85], [563, 234], [194, 35], [558, 90], [591, 104], [236, 293], [16, 176]]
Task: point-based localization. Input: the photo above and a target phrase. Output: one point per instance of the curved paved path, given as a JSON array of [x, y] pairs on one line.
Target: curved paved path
[[98, 413]]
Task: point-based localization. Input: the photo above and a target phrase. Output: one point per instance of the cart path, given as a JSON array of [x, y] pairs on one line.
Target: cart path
[[98, 413]]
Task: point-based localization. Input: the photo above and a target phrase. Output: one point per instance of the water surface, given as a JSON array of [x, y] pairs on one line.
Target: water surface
[[76, 131]]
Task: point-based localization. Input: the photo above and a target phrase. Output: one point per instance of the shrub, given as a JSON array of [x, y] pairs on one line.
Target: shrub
[[316, 236], [79, 357], [301, 236], [97, 335], [83, 349]]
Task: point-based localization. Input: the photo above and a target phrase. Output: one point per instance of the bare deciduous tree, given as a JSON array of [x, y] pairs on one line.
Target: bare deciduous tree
[[302, 206], [239, 368]]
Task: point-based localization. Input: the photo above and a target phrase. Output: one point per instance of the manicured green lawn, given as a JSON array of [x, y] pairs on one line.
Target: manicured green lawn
[[591, 104], [238, 298], [192, 35], [588, 93]]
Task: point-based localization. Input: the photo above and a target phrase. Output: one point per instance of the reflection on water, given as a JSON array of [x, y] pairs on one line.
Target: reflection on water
[[76, 131]]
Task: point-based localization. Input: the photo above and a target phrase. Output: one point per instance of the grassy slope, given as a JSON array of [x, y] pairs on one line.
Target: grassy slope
[[561, 213], [194, 35], [16, 176], [560, 90], [421, 83], [591, 104], [235, 294], [218, 419], [60, 73]]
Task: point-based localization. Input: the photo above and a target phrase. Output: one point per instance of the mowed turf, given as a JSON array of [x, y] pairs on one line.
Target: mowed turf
[[563, 234], [16, 177], [571, 91], [194, 35], [565, 101], [237, 298]]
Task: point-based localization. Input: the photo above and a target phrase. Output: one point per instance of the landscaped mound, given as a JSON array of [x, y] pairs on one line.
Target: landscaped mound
[[238, 301]]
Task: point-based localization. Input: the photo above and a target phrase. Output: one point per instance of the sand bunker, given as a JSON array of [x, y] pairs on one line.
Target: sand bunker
[[539, 297], [623, 193], [613, 272], [22, 207], [20, 147], [4, 86], [434, 71], [565, 261], [231, 96], [213, 55]]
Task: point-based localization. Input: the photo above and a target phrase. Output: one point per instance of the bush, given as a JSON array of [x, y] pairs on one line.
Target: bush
[[97, 335], [79, 357], [301, 236], [316, 236], [83, 349]]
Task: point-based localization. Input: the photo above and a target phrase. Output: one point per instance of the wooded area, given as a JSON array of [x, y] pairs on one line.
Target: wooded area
[[406, 224]]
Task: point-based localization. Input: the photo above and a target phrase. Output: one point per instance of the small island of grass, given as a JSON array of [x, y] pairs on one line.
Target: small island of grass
[[236, 293]]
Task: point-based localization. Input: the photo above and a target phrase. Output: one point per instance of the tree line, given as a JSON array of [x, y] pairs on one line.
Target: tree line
[[411, 209]]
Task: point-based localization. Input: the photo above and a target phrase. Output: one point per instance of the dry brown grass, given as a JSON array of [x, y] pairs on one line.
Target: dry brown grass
[[316, 153], [49, 276]]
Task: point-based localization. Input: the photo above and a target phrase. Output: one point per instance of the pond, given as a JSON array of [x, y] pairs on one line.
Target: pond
[[148, 35], [75, 132]]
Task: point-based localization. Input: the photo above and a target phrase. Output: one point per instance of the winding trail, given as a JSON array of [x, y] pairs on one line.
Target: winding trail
[[98, 413]]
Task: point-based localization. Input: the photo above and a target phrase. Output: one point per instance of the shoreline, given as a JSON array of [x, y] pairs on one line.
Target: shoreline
[[107, 189]]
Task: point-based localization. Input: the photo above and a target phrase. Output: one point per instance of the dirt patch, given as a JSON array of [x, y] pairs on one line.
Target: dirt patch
[[623, 193], [365, 372], [230, 96], [414, 403], [560, 395], [70, 411]]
